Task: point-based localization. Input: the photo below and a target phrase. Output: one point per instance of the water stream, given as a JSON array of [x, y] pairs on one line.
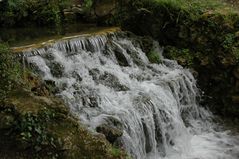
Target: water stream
[[107, 79]]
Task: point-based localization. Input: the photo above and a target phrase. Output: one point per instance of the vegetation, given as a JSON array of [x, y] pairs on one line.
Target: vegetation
[[15, 13], [87, 5], [9, 71], [183, 56], [199, 34], [154, 57], [25, 12]]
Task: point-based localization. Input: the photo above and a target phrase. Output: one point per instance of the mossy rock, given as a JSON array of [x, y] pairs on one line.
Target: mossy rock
[[42, 127]]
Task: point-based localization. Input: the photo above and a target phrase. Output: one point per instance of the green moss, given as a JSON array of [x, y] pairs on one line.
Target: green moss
[[154, 57], [229, 41], [185, 57]]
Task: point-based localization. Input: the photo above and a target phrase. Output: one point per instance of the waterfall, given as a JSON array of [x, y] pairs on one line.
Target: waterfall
[[108, 81]]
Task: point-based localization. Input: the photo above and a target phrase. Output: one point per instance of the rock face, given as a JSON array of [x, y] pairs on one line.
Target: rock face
[[112, 129]]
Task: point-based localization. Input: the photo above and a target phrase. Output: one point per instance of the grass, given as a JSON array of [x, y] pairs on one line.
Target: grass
[[200, 5]]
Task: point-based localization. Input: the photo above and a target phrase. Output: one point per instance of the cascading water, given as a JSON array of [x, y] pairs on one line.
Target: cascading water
[[108, 80]]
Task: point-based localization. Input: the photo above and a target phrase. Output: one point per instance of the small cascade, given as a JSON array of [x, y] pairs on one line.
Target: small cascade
[[108, 82]]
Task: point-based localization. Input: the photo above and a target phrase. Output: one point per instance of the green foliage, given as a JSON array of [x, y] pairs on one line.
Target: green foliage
[[154, 57], [116, 152], [87, 5], [229, 41], [17, 12], [9, 71], [183, 56], [33, 133]]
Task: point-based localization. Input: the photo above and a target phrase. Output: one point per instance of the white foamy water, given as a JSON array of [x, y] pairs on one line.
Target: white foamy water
[[108, 79]]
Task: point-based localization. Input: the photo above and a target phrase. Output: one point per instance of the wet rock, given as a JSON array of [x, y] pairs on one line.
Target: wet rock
[[51, 86], [112, 48], [35, 69], [111, 133], [90, 46], [57, 69], [90, 101], [89, 97], [148, 146], [112, 129], [122, 60], [50, 83], [94, 73], [49, 56], [77, 76], [136, 59], [112, 82]]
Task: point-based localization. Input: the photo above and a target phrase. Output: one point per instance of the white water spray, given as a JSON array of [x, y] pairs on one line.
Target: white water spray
[[108, 79]]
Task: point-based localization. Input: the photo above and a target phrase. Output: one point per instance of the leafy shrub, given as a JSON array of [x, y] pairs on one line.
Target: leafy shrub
[[15, 12], [34, 134], [9, 71]]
